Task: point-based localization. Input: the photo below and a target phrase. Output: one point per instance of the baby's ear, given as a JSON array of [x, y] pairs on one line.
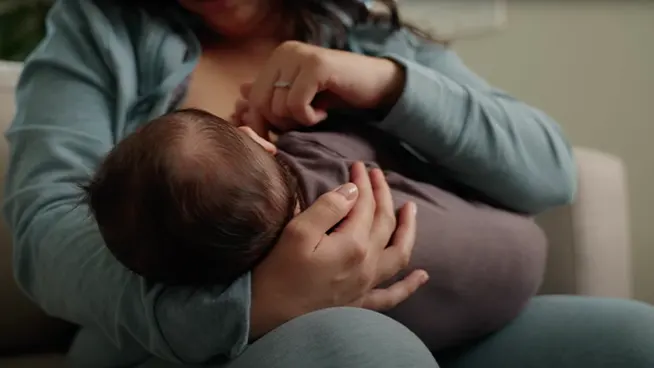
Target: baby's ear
[[271, 148]]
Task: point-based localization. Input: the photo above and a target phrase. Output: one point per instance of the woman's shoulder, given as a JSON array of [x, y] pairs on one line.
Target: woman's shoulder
[[100, 48], [99, 19], [112, 43], [87, 30], [109, 25]]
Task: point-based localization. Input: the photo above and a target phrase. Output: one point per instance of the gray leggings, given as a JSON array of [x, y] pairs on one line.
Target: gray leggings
[[553, 331], [562, 332]]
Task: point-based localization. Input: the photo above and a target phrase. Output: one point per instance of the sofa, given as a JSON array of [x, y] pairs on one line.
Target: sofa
[[589, 251]]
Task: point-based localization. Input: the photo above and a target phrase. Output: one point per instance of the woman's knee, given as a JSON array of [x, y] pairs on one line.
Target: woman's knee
[[621, 331], [568, 331], [595, 332], [339, 337]]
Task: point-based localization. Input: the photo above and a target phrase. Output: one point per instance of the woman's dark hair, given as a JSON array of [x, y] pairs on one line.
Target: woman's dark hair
[[312, 17]]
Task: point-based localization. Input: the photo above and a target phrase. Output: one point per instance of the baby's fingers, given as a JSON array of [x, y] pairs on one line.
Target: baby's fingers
[[268, 146]]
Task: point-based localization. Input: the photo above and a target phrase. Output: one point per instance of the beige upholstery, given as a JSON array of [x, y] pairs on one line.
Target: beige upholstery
[[589, 249], [589, 241]]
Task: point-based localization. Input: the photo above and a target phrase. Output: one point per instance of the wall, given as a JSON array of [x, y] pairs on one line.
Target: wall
[[591, 66]]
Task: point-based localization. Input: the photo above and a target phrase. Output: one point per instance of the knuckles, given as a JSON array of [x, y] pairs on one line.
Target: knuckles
[[314, 61], [278, 110], [405, 259], [389, 219], [312, 57], [297, 109], [291, 45], [358, 252], [297, 231]]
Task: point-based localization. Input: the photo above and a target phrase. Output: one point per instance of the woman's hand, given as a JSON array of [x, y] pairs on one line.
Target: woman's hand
[[309, 270], [300, 82]]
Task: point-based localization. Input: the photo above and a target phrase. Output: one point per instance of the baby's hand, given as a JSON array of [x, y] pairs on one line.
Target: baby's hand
[[268, 146]]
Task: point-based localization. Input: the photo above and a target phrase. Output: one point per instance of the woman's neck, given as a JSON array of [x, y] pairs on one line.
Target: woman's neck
[[252, 47], [266, 35]]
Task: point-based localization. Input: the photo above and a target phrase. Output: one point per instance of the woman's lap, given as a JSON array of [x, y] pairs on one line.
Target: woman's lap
[[566, 332], [553, 331], [337, 337]]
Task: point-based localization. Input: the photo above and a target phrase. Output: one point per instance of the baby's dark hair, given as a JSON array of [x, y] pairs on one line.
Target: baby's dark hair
[[189, 199]]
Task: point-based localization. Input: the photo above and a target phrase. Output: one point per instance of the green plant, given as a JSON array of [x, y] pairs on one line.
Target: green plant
[[22, 26]]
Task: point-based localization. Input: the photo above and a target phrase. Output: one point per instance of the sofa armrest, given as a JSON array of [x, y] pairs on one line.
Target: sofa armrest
[[590, 250]]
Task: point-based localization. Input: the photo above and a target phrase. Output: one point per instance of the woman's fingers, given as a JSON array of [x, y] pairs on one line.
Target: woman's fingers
[[385, 220], [238, 117], [284, 90], [241, 107], [245, 90], [310, 226], [359, 220], [279, 106], [261, 93], [385, 299], [397, 255], [304, 90]]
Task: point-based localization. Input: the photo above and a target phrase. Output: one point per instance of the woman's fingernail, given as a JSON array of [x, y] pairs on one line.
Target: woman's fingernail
[[414, 208], [424, 277], [349, 191]]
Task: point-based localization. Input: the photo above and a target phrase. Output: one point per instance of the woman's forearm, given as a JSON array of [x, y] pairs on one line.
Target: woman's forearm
[[505, 149]]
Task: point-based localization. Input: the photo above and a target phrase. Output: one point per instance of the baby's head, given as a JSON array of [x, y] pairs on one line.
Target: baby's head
[[189, 199]]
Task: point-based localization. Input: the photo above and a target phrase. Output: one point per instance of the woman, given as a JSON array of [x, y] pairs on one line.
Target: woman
[[106, 67]]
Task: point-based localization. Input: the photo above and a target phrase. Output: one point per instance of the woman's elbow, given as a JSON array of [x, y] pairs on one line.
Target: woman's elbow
[[28, 271], [546, 189]]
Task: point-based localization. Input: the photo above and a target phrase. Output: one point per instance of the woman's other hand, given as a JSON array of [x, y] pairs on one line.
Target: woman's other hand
[[309, 270], [301, 81]]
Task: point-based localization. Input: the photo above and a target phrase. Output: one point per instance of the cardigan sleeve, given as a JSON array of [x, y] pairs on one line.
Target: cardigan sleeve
[[505, 149], [66, 121]]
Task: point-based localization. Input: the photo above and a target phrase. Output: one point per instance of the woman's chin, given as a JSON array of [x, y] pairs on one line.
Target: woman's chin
[[235, 29]]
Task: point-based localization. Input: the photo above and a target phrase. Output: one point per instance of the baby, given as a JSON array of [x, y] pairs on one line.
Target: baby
[[189, 199]]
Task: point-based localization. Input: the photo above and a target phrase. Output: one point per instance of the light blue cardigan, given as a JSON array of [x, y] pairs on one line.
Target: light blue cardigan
[[99, 73]]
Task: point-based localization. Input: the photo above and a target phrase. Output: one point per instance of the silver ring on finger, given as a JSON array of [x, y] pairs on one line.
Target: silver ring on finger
[[282, 84]]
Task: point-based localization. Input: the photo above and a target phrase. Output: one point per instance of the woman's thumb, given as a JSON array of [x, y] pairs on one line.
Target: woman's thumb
[[329, 209]]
